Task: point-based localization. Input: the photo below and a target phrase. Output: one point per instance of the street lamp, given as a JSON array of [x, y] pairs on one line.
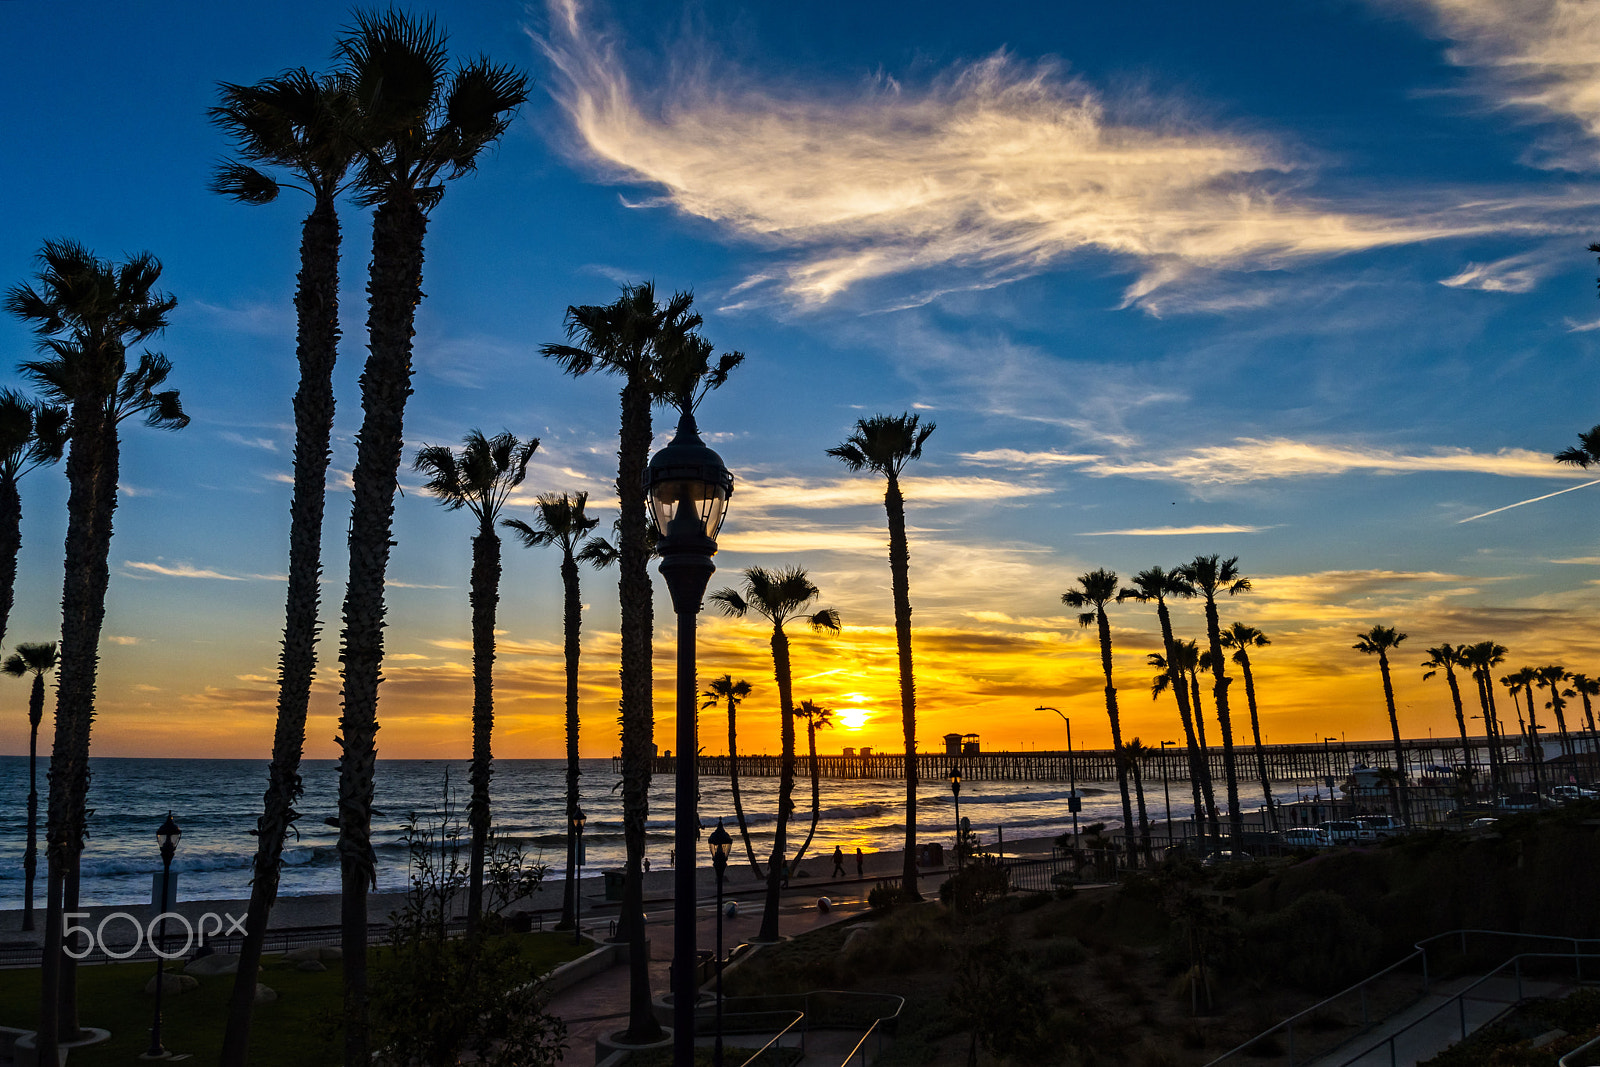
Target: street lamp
[[721, 845], [1166, 790], [578, 819], [688, 488], [1073, 803], [167, 836], [955, 791]]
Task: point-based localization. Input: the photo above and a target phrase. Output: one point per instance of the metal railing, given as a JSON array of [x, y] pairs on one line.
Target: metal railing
[[1323, 1014], [1571, 1060], [819, 1009]]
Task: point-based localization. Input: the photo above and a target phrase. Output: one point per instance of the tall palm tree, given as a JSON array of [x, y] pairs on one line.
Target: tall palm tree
[[625, 338], [1169, 676], [1522, 682], [728, 692], [1377, 642], [1586, 689], [817, 718], [883, 445], [1447, 658], [1552, 677], [1483, 657], [1211, 575], [1134, 753], [479, 478], [421, 125], [1156, 584], [560, 520], [31, 435], [86, 312], [1095, 590], [1241, 639], [36, 659], [780, 597], [1586, 452], [297, 125]]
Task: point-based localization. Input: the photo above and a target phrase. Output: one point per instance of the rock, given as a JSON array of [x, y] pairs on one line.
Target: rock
[[313, 952], [171, 984], [311, 965], [264, 995], [859, 933], [216, 963]]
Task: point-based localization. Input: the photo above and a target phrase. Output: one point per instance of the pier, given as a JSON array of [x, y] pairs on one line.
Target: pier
[[1285, 763]]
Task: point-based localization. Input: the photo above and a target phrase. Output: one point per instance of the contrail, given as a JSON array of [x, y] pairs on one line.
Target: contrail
[[1535, 500]]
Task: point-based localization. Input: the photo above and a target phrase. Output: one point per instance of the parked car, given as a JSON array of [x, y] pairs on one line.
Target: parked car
[[1483, 823], [1305, 837], [1518, 802], [1572, 792], [1346, 831], [1382, 825], [1225, 857]]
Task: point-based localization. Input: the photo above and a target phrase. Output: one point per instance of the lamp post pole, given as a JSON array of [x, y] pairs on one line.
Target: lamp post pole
[[167, 836], [1166, 790], [688, 488], [578, 819], [1073, 803], [955, 791], [1327, 755], [721, 843]]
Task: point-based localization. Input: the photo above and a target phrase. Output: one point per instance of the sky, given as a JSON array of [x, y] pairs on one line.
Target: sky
[[1304, 284]]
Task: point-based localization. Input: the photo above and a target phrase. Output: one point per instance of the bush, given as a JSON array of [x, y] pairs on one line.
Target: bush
[[1318, 943], [885, 895], [981, 882]]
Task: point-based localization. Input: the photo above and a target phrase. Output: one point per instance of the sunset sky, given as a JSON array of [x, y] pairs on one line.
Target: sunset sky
[[1301, 283]]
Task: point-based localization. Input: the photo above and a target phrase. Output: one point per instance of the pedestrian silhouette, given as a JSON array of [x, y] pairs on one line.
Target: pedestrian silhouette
[[861, 866], [838, 861]]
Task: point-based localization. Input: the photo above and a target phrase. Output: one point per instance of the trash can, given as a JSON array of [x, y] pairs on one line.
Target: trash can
[[614, 881], [930, 855]]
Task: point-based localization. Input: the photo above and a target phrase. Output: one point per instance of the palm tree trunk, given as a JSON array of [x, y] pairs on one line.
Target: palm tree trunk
[[1399, 748], [1144, 816], [1116, 733], [816, 790], [1489, 731], [1230, 770], [638, 716], [775, 865], [1535, 750], [1558, 708], [1213, 819], [733, 786], [317, 324], [900, 581], [10, 547], [572, 621], [485, 600], [395, 289], [1255, 731], [1197, 767], [1461, 716], [30, 856]]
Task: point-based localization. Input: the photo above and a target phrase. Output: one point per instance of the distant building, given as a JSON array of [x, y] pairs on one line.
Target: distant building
[[866, 751], [969, 745], [849, 752], [952, 744]]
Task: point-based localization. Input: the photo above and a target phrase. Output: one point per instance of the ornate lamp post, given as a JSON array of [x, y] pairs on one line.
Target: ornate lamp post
[[688, 488], [955, 791], [578, 819], [721, 844], [167, 835], [1073, 803], [1166, 790]]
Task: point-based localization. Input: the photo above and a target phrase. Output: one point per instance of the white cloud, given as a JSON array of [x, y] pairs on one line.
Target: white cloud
[[1514, 274], [1175, 531], [1252, 459], [179, 570]]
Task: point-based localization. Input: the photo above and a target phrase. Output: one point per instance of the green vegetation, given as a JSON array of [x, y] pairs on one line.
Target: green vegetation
[[1510, 1042]]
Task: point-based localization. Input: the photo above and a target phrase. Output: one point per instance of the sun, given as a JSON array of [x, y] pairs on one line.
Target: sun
[[853, 718]]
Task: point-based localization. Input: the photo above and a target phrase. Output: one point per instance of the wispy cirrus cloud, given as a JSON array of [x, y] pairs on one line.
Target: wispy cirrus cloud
[[1000, 167], [178, 570], [1176, 531]]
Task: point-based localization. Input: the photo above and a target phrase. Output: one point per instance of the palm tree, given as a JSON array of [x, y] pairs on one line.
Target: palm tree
[[38, 660], [1157, 583], [1552, 677], [1097, 589], [1133, 754], [1241, 639], [623, 338], [883, 445], [1211, 575], [817, 718], [479, 478], [31, 435], [421, 126], [560, 520], [779, 597], [296, 123], [1518, 682], [725, 690], [86, 312], [1447, 658], [1377, 642], [1587, 451], [1483, 657], [1585, 688]]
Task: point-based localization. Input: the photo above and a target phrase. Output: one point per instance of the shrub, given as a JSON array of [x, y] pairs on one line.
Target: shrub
[[981, 882], [1319, 943], [885, 895]]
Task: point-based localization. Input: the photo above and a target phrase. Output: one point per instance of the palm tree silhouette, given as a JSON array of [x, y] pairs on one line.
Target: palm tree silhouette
[[299, 123], [817, 718], [1483, 657], [1585, 688], [86, 312], [479, 478], [1587, 451], [883, 445], [36, 659], [1447, 658], [1133, 754], [780, 597], [1211, 575], [560, 520], [1170, 676], [1522, 681], [1096, 590], [725, 690], [1241, 638], [422, 125], [1377, 642], [1551, 677], [31, 435]]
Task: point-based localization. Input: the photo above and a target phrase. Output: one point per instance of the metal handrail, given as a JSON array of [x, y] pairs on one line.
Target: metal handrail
[[777, 1037], [1586, 1046], [852, 1053]]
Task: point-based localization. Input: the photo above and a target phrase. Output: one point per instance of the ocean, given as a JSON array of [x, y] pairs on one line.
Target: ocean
[[216, 803]]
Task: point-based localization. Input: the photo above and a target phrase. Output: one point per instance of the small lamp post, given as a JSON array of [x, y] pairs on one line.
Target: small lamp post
[[1333, 811], [688, 489], [1073, 803], [578, 819], [721, 844], [1166, 789], [955, 791], [167, 836]]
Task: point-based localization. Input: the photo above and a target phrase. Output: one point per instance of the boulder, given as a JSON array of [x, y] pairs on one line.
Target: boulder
[[216, 963], [171, 984], [311, 966], [264, 995]]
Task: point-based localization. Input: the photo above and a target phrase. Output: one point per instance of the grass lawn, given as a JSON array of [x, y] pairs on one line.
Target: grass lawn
[[300, 1027]]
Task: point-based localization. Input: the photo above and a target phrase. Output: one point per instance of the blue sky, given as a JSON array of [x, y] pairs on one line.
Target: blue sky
[[1301, 283]]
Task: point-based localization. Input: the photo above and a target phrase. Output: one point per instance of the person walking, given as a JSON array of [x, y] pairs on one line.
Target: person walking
[[838, 861], [861, 864]]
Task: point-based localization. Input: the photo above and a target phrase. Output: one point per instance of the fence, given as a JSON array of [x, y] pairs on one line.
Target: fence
[[820, 1009]]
